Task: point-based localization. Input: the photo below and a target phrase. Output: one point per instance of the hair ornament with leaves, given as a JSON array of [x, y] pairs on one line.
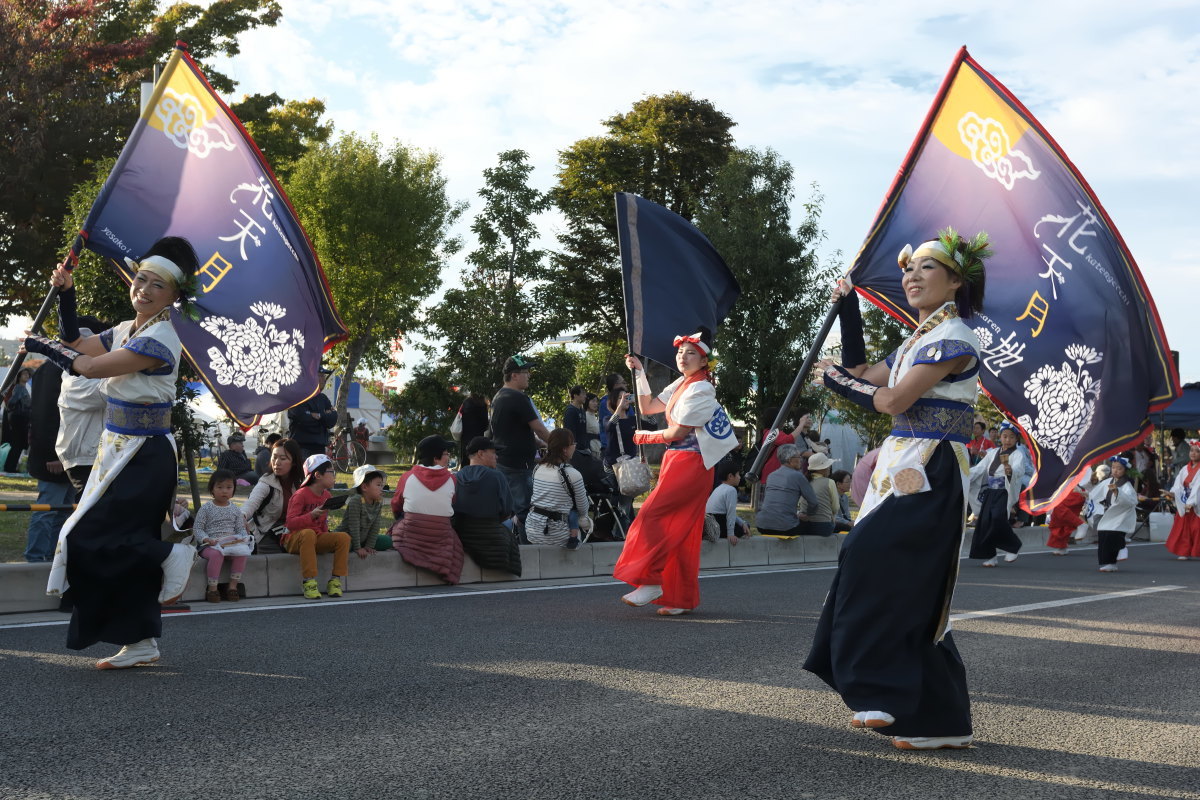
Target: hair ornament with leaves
[[964, 256]]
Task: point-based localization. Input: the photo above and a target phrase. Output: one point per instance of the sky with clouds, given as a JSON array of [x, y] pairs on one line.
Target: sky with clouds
[[839, 89]]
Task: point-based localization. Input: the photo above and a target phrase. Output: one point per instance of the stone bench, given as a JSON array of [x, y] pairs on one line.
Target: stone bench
[[23, 586]]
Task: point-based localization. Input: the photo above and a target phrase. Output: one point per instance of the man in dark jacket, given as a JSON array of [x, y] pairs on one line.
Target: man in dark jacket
[[311, 421], [53, 487], [483, 510]]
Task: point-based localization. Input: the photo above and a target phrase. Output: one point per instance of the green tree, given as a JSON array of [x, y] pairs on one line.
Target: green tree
[[425, 406], [379, 221], [493, 313], [551, 380], [284, 130], [784, 285], [668, 149], [70, 77]]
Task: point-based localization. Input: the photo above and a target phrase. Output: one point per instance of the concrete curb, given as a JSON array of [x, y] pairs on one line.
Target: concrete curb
[[23, 586]]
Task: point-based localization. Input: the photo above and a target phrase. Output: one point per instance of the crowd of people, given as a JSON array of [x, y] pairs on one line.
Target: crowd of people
[[888, 652]]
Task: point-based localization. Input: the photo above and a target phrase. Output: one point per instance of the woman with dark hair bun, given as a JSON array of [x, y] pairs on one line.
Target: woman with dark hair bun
[[110, 551], [883, 639]]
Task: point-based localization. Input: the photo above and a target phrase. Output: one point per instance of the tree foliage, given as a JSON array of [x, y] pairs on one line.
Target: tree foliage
[[668, 149], [284, 130], [551, 380], [425, 406], [784, 285], [492, 314], [379, 221], [70, 76]]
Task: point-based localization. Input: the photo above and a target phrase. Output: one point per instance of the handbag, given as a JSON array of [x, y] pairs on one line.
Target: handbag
[[456, 426], [633, 475]]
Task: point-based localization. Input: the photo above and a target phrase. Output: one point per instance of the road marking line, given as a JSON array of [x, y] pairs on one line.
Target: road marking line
[[1091, 598]]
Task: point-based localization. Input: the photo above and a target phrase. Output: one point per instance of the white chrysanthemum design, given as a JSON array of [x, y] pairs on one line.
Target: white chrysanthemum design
[[991, 151], [985, 339], [184, 122], [257, 355], [1065, 399]]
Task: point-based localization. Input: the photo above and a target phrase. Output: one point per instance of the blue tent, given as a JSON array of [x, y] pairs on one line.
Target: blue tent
[[1183, 413]]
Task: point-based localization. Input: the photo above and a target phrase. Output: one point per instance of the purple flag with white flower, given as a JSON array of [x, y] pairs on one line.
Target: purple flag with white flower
[[266, 314], [1072, 347]]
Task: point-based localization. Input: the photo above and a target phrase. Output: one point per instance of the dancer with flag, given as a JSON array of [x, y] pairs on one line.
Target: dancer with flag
[[116, 565], [672, 275], [883, 639]]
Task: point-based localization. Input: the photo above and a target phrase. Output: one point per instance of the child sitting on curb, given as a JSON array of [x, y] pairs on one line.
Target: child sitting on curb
[[220, 530], [363, 511], [308, 528]]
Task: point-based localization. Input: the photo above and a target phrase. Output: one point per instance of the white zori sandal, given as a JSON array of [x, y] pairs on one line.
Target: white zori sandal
[[932, 742], [871, 719]]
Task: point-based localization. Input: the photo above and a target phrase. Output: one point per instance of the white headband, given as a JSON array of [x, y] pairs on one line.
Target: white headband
[[163, 267]]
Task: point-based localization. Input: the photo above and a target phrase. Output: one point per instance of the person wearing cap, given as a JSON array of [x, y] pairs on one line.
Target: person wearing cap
[[883, 640], [110, 553], [518, 432], [423, 506], [780, 514], [308, 531], [1114, 502], [996, 482], [310, 422], [661, 556], [235, 459], [363, 511], [483, 510], [362, 434]]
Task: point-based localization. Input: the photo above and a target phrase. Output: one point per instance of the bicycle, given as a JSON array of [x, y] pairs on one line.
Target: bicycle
[[346, 453]]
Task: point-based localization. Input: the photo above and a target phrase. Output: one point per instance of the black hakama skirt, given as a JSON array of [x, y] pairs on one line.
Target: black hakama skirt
[[992, 529], [875, 640], [115, 552]]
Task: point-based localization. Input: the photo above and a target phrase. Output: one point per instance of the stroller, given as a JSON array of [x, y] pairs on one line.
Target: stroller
[[609, 520]]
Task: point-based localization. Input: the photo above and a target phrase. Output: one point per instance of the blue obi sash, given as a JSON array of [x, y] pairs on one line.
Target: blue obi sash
[[935, 419], [137, 419]]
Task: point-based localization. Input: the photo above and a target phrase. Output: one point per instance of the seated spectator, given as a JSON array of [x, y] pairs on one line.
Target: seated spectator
[[363, 510], [262, 454], [221, 531], [820, 515], [266, 507], [308, 528], [483, 510], [780, 512], [235, 459], [841, 519], [423, 505], [560, 502], [722, 503]]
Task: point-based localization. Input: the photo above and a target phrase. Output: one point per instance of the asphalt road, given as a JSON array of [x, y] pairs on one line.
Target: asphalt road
[[563, 692]]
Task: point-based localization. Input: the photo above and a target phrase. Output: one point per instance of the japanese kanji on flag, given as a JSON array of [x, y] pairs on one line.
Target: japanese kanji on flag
[[266, 314], [1073, 349]]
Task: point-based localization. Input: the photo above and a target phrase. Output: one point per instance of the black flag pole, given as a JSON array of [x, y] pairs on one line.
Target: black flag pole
[[768, 445], [51, 297]]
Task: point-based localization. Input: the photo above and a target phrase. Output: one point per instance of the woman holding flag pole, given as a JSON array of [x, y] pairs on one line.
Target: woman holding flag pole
[[883, 639], [110, 552], [661, 557]]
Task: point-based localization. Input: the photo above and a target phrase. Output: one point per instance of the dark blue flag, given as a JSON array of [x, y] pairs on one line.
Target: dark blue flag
[[675, 281], [1073, 349], [266, 314]]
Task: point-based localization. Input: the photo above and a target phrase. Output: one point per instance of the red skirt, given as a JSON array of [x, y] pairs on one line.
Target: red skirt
[[663, 545], [1065, 519], [1185, 536]]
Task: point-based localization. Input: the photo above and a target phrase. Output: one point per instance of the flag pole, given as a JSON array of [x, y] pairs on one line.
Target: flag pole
[[768, 445], [72, 258]]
